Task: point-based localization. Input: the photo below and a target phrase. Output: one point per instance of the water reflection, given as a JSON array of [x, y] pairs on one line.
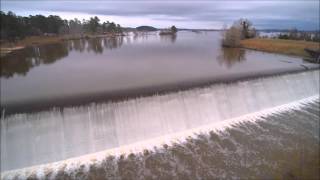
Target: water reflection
[[169, 38], [113, 43], [143, 36], [78, 45], [150, 50], [231, 56], [22, 61], [95, 45]]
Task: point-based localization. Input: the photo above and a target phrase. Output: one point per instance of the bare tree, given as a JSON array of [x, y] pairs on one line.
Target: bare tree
[[293, 33], [232, 37], [241, 29], [247, 29]]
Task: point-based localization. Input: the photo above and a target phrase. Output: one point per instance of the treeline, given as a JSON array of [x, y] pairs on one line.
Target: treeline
[[15, 27]]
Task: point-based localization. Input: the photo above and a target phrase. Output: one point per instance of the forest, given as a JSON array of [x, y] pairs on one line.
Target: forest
[[15, 27]]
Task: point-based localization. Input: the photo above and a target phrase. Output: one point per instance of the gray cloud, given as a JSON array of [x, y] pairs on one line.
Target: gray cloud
[[265, 14]]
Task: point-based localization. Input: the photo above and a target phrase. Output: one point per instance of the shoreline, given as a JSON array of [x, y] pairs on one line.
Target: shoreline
[[279, 46], [120, 95], [6, 48], [293, 48]]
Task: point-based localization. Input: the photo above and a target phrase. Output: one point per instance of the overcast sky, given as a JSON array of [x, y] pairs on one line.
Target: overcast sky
[[280, 14]]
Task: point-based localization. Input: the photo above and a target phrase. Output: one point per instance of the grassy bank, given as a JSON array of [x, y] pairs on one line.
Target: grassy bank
[[7, 47], [289, 47]]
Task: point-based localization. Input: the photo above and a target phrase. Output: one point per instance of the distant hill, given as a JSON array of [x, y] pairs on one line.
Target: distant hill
[[187, 29], [146, 28], [128, 29]]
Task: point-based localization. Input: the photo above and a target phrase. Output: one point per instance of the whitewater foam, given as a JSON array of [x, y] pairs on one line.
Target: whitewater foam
[[96, 158], [90, 133]]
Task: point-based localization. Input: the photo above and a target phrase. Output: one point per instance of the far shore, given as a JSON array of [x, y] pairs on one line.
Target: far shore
[[280, 46], [7, 47]]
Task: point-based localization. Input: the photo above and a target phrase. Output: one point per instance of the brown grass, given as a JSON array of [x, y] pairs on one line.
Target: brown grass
[[32, 40], [289, 47], [7, 47]]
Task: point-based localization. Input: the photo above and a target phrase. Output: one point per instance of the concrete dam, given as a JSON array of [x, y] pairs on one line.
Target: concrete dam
[[75, 135]]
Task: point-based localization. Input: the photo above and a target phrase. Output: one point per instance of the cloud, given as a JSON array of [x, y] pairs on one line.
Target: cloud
[[265, 14]]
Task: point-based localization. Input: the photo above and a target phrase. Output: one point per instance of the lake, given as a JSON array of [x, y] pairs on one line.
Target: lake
[[83, 71], [225, 105]]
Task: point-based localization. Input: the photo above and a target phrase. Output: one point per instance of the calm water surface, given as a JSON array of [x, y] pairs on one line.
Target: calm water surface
[[84, 68]]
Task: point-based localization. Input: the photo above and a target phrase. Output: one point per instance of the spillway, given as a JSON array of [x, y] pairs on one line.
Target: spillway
[[31, 139]]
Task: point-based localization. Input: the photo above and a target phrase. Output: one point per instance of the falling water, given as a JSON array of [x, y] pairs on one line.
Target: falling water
[[45, 137]]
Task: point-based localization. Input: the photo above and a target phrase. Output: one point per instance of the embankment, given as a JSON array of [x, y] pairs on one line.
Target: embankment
[[288, 47]]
